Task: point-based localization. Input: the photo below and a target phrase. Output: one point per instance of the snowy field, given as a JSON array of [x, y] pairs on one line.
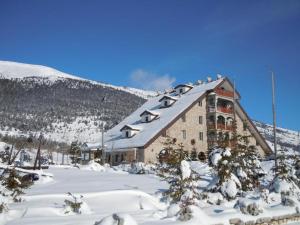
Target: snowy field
[[111, 190]]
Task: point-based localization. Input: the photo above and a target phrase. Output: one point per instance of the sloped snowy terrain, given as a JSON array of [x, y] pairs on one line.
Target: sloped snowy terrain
[[288, 140], [64, 107], [16, 70]]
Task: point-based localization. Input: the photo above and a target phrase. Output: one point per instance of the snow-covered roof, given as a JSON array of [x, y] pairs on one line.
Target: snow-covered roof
[[113, 137]]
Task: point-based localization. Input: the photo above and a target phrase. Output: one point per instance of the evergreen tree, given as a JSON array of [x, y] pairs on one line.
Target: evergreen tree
[[175, 170]]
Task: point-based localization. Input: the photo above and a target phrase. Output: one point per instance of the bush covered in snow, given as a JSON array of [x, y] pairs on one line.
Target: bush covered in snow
[[117, 219], [250, 207], [73, 205], [13, 184]]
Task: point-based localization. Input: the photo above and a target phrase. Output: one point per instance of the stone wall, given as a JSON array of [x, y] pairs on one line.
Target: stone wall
[[275, 220]]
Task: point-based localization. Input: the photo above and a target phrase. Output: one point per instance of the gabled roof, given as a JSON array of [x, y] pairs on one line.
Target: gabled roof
[[148, 131], [168, 97], [130, 127], [151, 112], [184, 85]]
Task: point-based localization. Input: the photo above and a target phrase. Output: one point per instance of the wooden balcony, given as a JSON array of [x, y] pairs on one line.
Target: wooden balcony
[[225, 110], [224, 93], [211, 109], [221, 126], [211, 126], [229, 127]]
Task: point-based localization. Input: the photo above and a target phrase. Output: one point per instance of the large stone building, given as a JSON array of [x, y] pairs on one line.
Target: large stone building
[[195, 115]]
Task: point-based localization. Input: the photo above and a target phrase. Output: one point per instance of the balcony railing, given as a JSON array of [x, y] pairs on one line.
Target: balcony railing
[[211, 126], [229, 127], [211, 109], [225, 110], [225, 93], [221, 126]]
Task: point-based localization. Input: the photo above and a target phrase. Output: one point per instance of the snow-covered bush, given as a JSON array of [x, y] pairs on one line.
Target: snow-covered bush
[[117, 219], [287, 199], [3, 207], [73, 205], [247, 206], [14, 184]]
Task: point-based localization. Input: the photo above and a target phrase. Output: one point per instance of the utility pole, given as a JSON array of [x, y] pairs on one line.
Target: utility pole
[[274, 122], [298, 141], [102, 144], [103, 156], [38, 154]]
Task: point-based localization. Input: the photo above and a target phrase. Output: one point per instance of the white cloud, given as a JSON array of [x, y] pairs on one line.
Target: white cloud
[[151, 81]]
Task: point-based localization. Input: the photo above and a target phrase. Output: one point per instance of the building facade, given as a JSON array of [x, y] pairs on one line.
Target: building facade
[[195, 115]]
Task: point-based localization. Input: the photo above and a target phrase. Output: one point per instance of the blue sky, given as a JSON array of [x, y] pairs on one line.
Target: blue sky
[[153, 44]]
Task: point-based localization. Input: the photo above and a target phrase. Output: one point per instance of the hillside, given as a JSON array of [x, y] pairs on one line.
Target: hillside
[[288, 140], [64, 107]]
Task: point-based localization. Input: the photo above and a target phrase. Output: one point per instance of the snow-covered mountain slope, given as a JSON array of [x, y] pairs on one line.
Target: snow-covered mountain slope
[[288, 140], [15, 70], [64, 107]]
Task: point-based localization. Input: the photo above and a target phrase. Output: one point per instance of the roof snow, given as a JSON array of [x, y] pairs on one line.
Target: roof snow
[[114, 139]]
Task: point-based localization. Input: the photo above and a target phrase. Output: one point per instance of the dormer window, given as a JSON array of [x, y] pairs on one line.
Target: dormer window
[[182, 88], [148, 115], [167, 101], [129, 131]]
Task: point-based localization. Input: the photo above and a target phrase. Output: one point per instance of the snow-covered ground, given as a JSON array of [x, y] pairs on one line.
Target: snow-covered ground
[[107, 191]]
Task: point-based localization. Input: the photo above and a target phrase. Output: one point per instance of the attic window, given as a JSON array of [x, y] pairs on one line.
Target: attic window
[[182, 88], [148, 115], [129, 131], [167, 101]]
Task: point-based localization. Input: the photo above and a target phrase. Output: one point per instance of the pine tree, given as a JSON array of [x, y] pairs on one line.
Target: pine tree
[[247, 164], [175, 170]]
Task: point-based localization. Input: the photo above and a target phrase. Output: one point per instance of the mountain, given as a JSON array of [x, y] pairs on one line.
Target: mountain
[[287, 140], [64, 107]]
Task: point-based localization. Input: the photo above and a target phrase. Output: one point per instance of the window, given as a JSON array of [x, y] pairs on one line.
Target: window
[[127, 134], [116, 158], [201, 136], [166, 103], [180, 90], [146, 119], [200, 103], [183, 118], [200, 120], [183, 134]]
